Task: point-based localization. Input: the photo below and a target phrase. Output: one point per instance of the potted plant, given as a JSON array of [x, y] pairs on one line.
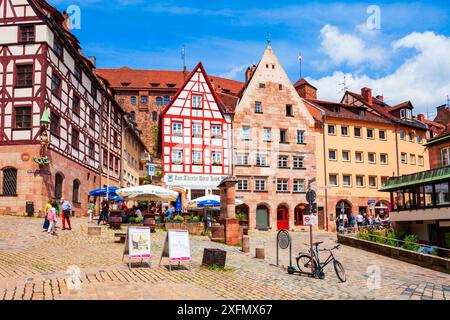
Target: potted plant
[[242, 218], [178, 219]]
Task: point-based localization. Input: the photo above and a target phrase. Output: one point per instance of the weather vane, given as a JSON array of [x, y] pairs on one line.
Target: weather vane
[[268, 38]]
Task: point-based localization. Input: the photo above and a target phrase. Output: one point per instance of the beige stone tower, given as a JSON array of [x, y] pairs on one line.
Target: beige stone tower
[[273, 135]]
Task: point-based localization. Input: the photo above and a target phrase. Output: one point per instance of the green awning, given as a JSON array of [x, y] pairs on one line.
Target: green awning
[[420, 178], [438, 139]]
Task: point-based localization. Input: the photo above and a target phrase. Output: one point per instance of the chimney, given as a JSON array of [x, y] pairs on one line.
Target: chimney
[[307, 91], [211, 80], [93, 60], [421, 117], [66, 22], [185, 73], [381, 98], [367, 95], [248, 74]]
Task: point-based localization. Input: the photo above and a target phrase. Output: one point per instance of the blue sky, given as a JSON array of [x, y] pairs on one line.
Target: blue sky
[[407, 59]]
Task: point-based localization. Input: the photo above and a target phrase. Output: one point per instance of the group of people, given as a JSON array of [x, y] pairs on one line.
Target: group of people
[[362, 220], [53, 209]]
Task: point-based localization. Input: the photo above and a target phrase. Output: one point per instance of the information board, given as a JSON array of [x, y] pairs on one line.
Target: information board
[[179, 249], [139, 242]]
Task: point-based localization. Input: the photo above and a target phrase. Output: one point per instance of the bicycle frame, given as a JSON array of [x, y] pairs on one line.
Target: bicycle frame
[[316, 257]]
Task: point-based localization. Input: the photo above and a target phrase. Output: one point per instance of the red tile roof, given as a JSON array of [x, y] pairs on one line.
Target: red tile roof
[[345, 111], [126, 79]]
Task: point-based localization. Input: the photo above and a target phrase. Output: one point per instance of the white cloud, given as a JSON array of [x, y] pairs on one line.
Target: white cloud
[[423, 78], [344, 48], [234, 72]]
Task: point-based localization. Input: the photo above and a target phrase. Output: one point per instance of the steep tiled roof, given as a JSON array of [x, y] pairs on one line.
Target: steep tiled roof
[[125, 78], [345, 111], [384, 109]]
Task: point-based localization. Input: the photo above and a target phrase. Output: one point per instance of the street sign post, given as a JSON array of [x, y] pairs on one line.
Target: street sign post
[[151, 170]]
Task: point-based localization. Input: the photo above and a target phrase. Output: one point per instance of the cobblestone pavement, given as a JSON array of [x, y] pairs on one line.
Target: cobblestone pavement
[[33, 265]]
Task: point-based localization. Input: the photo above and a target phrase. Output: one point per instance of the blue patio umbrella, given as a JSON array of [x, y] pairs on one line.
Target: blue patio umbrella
[[208, 203], [101, 192], [178, 206]]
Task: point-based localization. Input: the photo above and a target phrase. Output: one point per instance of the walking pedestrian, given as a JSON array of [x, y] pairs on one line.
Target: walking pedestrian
[[66, 208], [91, 210], [104, 211], [52, 220], [359, 220], [47, 207]]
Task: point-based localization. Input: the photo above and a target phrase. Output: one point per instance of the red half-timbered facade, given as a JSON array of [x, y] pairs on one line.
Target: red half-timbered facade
[[41, 63], [195, 137]]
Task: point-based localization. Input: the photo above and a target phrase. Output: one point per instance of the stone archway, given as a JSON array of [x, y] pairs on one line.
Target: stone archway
[[345, 207], [244, 211], [299, 212]]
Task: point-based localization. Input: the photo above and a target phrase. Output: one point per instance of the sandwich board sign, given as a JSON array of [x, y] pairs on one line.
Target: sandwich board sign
[[176, 247], [138, 244]]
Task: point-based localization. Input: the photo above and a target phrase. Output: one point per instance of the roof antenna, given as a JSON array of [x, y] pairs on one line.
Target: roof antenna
[[344, 85], [448, 101], [183, 58]]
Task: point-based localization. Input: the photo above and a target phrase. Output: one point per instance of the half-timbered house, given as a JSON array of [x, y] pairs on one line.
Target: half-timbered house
[[42, 65], [195, 138]]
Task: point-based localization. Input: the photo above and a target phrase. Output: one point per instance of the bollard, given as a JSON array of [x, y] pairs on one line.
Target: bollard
[[259, 253], [245, 244]]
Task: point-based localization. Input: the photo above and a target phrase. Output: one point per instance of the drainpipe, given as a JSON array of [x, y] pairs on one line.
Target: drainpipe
[[396, 150], [325, 169]]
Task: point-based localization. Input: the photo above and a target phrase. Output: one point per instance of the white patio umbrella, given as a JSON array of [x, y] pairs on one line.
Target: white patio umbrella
[[147, 193]]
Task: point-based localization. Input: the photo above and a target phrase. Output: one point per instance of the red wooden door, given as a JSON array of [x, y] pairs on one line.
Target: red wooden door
[[282, 219]]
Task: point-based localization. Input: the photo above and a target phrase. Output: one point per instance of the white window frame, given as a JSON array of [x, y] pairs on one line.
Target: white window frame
[[197, 157], [242, 185], [381, 158], [445, 157], [283, 161], [349, 156], [262, 159], [299, 185], [197, 101], [267, 134], [245, 133], [197, 130], [335, 155], [376, 182], [177, 156], [343, 180], [242, 160], [363, 181], [337, 180], [260, 185], [216, 157], [177, 128], [216, 130], [298, 162], [300, 137], [284, 184]]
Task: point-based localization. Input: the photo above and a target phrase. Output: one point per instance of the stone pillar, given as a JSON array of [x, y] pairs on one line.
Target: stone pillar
[[227, 210], [227, 197], [245, 244]]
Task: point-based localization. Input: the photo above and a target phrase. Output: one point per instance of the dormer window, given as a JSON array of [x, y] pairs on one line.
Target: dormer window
[[262, 85], [154, 84], [405, 114], [362, 113], [336, 109], [125, 84], [171, 85]]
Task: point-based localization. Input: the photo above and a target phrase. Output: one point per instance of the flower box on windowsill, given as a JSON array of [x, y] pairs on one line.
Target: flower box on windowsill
[[197, 163], [197, 136], [216, 136], [216, 163], [177, 162]]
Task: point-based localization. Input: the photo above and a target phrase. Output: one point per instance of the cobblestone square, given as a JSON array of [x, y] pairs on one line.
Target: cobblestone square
[[33, 265]]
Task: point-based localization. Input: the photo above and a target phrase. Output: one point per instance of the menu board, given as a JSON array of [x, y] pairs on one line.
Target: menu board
[[179, 248], [139, 242]]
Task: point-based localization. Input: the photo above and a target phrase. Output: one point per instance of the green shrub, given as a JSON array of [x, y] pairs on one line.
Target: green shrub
[[363, 234], [178, 218], [138, 220], [391, 234], [411, 243], [132, 220], [196, 218]]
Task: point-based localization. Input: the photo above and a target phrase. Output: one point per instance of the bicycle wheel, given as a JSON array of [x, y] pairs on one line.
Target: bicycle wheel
[[340, 272], [304, 262]]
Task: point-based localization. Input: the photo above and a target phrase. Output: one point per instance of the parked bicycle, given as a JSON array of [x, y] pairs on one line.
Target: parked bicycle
[[304, 262]]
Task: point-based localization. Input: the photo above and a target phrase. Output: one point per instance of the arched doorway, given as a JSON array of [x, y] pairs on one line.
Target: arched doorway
[[242, 214], [283, 217], [262, 217], [343, 207], [299, 212], [59, 179]]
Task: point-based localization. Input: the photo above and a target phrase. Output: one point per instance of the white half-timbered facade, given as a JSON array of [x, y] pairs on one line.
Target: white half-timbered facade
[[41, 63], [196, 137]]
